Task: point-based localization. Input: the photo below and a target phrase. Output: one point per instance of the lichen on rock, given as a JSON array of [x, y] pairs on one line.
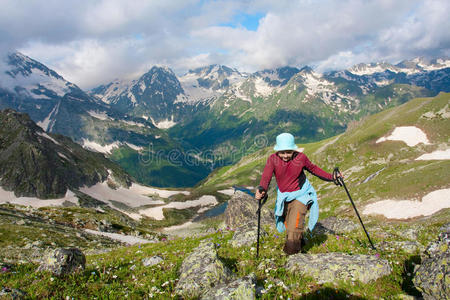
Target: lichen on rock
[[432, 278], [242, 209], [329, 267], [63, 261], [239, 289], [246, 235], [201, 271], [334, 225]]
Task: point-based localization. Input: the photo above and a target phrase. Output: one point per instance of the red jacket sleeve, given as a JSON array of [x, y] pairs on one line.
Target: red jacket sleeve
[[313, 169], [267, 174]]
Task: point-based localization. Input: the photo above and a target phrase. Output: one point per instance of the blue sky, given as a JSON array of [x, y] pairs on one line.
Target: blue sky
[[245, 20], [91, 42]]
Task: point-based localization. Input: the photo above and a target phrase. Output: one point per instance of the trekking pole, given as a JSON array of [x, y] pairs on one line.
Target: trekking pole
[[260, 204], [258, 212], [340, 181]]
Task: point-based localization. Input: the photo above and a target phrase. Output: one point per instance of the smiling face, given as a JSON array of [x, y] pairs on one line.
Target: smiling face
[[286, 155]]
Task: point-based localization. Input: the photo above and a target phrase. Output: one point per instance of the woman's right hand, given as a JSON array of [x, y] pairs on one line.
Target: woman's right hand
[[259, 194]]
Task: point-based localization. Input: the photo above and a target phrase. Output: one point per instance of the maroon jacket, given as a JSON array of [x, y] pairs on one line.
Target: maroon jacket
[[289, 175]]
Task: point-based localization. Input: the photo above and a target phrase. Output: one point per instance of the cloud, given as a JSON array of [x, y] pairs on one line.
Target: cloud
[[92, 42]]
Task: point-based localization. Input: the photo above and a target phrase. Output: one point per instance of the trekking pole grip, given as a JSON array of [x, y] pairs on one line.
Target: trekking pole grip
[[337, 179]]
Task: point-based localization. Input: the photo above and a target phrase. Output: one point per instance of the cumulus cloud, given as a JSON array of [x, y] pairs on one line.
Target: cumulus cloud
[[93, 42]]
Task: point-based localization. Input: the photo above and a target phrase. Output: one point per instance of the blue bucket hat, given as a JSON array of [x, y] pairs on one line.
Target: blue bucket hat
[[285, 141]]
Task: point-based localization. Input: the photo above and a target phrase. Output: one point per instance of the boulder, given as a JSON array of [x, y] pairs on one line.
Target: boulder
[[239, 289], [334, 225], [432, 278], [246, 235], [201, 271], [329, 267], [151, 261], [242, 209], [63, 261]]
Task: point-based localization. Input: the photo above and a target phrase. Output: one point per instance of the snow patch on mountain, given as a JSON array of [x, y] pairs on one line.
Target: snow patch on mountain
[[315, 84], [193, 91], [367, 69], [411, 135], [9, 197], [127, 239], [440, 64], [132, 197], [91, 145], [114, 90], [151, 191], [48, 122], [157, 212], [132, 123], [263, 88], [134, 147], [435, 155], [99, 115], [164, 124], [44, 135], [405, 209]]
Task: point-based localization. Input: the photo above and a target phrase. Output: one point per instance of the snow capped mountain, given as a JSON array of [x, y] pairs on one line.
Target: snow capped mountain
[[27, 77], [153, 96], [207, 83], [409, 67], [318, 86], [158, 82]]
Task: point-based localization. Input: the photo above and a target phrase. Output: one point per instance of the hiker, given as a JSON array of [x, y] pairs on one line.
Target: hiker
[[295, 195]]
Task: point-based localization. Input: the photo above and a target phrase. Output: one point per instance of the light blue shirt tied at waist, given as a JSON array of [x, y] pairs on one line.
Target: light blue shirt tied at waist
[[305, 195]]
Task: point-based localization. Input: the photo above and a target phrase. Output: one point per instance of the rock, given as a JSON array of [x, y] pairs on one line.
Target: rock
[[242, 208], [20, 222], [63, 261], [410, 233], [432, 276], [410, 247], [239, 289], [106, 226], [201, 271], [404, 297], [329, 267], [246, 235], [12, 294], [151, 261], [210, 230], [334, 225]]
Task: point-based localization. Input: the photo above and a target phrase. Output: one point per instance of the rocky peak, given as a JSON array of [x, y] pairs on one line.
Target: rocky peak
[[24, 65], [277, 77], [158, 78], [213, 71], [34, 163]]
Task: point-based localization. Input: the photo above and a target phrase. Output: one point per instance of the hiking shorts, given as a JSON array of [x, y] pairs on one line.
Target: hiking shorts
[[295, 213]]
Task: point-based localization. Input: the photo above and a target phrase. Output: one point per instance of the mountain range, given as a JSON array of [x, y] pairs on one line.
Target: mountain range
[[169, 130]]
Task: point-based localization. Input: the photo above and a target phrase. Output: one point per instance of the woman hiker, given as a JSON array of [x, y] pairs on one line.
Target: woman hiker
[[295, 194]]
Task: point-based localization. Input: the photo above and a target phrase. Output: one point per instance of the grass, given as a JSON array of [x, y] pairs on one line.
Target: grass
[[120, 272]]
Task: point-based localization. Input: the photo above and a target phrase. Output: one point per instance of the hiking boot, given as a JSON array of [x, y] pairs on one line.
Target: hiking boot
[[292, 247]]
